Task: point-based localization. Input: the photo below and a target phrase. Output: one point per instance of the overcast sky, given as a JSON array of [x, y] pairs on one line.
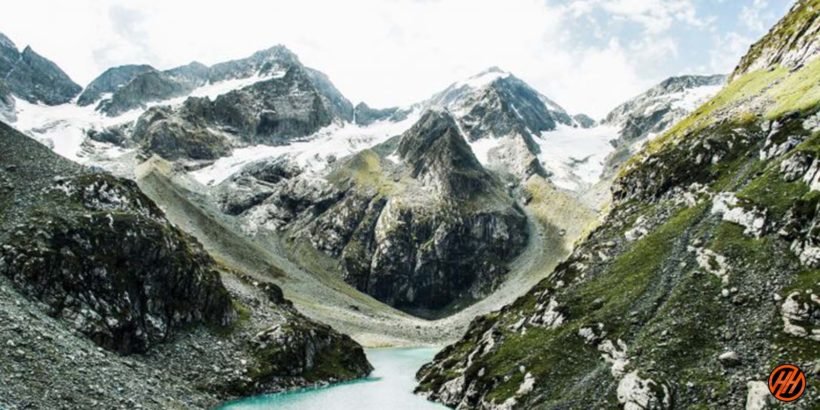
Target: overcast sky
[[587, 55]]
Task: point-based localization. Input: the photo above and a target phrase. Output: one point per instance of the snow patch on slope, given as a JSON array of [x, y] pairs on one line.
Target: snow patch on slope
[[575, 156], [692, 98], [213, 90], [482, 147], [63, 127], [314, 153]]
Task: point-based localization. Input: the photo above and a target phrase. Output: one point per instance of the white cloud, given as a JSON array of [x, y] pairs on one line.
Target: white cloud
[[727, 51], [392, 52], [656, 16], [753, 15]]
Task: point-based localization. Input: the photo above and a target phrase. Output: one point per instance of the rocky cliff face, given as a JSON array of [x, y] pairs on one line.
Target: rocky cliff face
[[282, 101], [87, 254], [421, 233], [32, 77], [142, 89], [519, 107], [267, 112], [175, 134], [135, 87], [498, 109], [696, 283], [110, 82], [100, 254]]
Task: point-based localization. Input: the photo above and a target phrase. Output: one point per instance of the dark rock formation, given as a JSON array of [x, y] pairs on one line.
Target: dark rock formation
[[504, 106], [434, 230], [100, 254], [438, 156], [364, 115], [273, 111], [160, 131], [311, 351], [110, 81], [273, 60], [32, 77], [144, 88], [585, 121], [270, 111]]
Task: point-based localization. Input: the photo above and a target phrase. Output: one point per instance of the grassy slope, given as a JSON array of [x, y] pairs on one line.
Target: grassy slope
[[651, 293]]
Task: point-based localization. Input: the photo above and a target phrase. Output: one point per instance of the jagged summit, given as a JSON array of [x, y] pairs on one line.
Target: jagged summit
[[129, 87], [661, 106], [438, 154], [276, 58], [110, 81], [32, 77], [484, 78], [479, 100]]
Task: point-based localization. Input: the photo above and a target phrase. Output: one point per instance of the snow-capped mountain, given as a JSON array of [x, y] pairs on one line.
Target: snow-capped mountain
[[269, 95], [280, 149], [502, 116], [659, 107], [652, 112], [248, 108]]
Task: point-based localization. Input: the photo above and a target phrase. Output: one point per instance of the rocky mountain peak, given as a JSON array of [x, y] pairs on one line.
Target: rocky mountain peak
[[193, 74], [437, 152], [110, 81], [275, 59], [278, 52], [433, 126], [656, 109], [33, 77], [497, 103], [485, 78]]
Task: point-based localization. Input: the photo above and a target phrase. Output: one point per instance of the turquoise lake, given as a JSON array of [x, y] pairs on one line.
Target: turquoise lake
[[390, 386]]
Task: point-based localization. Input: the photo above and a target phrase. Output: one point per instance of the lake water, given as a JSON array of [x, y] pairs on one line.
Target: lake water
[[390, 386]]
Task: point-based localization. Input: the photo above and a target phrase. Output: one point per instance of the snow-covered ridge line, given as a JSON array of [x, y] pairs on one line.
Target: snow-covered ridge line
[[313, 154], [64, 127]]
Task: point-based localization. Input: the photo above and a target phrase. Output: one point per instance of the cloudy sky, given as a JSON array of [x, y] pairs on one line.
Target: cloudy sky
[[588, 55]]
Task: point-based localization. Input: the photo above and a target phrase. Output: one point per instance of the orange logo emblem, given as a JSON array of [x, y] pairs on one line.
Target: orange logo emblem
[[787, 382]]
